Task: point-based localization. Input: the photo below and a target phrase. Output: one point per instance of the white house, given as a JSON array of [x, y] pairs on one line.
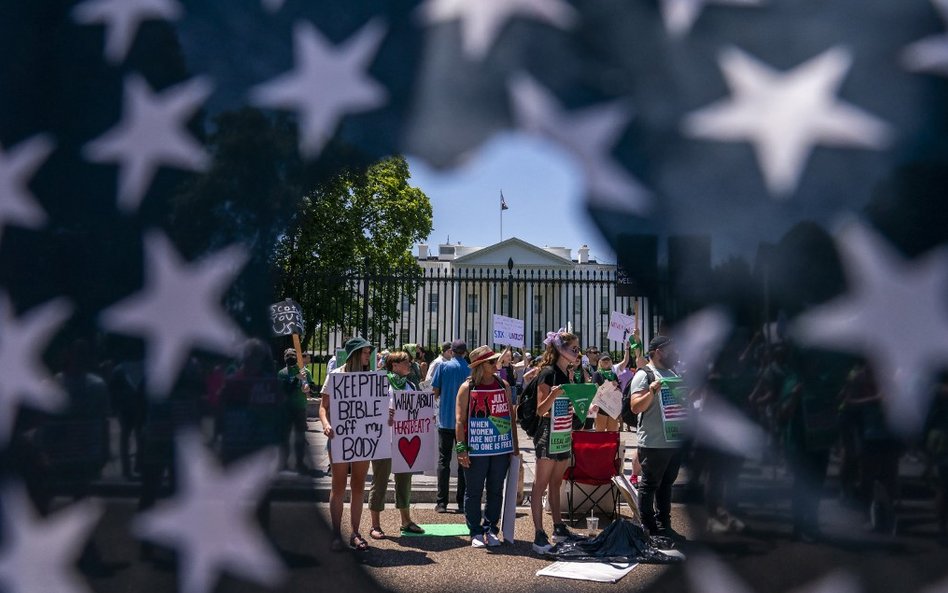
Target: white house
[[546, 287]]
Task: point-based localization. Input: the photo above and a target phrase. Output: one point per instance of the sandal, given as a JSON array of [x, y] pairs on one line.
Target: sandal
[[377, 533], [412, 527], [358, 543], [336, 544]]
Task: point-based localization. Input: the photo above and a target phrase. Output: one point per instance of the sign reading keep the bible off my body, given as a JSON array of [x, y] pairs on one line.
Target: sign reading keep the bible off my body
[[358, 410]]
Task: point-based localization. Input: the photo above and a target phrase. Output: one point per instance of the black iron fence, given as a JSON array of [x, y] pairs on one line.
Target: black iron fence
[[442, 304]]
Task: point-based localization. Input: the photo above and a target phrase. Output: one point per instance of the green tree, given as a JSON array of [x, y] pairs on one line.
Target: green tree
[[346, 257]]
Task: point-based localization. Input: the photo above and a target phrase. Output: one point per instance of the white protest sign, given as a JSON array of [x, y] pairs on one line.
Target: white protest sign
[[510, 499], [414, 432], [358, 409], [609, 399], [508, 331], [620, 327]]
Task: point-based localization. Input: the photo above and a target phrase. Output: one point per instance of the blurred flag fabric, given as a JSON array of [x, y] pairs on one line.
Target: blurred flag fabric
[[764, 127]]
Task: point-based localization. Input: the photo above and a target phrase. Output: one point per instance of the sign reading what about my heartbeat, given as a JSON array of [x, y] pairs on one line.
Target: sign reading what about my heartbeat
[[414, 432]]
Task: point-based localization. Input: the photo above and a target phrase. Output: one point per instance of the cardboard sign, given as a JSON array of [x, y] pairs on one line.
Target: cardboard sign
[[414, 432], [561, 426], [620, 327], [286, 318], [674, 403], [358, 408], [581, 395], [488, 423], [508, 331], [609, 399]]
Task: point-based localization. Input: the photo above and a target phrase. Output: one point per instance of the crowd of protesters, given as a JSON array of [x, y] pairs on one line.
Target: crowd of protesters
[[814, 407]]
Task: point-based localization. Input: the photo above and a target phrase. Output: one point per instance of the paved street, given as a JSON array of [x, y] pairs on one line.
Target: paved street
[[765, 556]]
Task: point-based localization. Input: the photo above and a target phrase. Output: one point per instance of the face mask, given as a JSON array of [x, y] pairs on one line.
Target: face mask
[[290, 361]]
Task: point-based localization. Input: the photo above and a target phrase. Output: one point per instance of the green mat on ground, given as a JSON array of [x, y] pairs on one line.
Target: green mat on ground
[[441, 530]]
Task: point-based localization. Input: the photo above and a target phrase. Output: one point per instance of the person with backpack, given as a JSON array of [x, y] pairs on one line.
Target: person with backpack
[[483, 471], [659, 458], [559, 360]]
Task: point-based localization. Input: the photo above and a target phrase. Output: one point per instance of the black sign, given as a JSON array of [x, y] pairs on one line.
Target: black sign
[[287, 318]]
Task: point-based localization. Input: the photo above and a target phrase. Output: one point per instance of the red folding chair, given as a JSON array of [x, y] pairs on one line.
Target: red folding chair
[[594, 461]]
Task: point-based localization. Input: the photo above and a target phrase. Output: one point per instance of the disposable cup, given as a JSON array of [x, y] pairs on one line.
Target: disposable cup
[[592, 524]]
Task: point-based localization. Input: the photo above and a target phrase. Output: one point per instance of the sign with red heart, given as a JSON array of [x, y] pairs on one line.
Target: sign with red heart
[[409, 449], [414, 432]]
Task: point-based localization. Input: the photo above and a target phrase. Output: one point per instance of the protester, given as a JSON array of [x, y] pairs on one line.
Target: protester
[[660, 459], [446, 381], [446, 354], [605, 372], [127, 392], [482, 471], [253, 410], [506, 371], [297, 384], [807, 411], [590, 363], [556, 369], [416, 373], [358, 353], [397, 365]]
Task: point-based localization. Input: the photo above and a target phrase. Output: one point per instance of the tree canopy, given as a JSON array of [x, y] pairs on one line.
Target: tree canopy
[[361, 223]]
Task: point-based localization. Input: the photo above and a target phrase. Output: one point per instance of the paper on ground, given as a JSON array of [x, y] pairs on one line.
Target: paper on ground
[[510, 498], [599, 572]]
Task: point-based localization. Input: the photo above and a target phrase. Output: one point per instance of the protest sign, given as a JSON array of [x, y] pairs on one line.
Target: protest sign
[[620, 327], [561, 426], [581, 395], [286, 319], [488, 423], [508, 331], [674, 402], [414, 432], [609, 399], [358, 409], [511, 487]]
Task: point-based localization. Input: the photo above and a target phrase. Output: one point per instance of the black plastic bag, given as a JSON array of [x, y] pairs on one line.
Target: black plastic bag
[[621, 542]]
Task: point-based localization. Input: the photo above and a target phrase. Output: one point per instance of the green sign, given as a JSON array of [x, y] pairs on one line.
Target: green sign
[[561, 426], [674, 405], [582, 396]]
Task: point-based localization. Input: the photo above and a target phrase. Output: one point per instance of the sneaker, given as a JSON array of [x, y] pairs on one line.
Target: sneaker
[[671, 534], [541, 543], [492, 540], [562, 534], [477, 541], [441, 508]]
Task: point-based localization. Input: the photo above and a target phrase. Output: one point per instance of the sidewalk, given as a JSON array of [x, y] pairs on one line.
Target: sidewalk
[[292, 486]]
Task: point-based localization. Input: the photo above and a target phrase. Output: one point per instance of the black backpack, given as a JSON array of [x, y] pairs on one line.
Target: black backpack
[[527, 408], [628, 416]]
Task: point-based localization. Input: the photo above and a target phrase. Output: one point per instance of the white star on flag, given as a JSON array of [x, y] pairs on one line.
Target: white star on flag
[[482, 21], [680, 15], [327, 83], [210, 520], [152, 133], [931, 53], [707, 575], [178, 309], [40, 554], [23, 378], [785, 115], [17, 166], [587, 135], [122, 19], [895, 315]]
